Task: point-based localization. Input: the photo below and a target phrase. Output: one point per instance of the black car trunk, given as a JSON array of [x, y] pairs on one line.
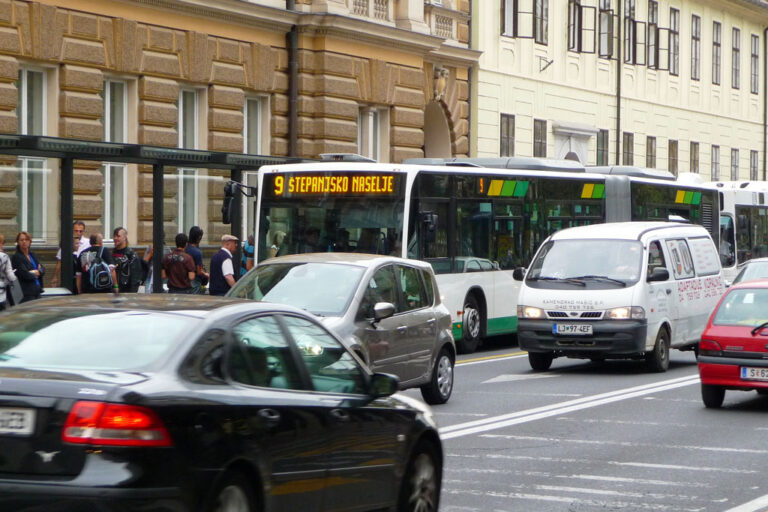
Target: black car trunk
[[34, 406]]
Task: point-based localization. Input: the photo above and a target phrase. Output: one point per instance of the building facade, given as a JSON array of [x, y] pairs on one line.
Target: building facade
[[676, 85], [371, 77]]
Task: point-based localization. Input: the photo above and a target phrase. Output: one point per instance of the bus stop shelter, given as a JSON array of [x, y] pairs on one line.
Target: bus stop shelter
[[69, 150]]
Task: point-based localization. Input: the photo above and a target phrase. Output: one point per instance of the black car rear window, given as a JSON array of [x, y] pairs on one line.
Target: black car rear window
[[89, 340]]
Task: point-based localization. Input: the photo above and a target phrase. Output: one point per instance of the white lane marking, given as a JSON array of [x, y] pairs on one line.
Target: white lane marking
[[574, 477], [566, 461], [751, 506], [510, 378], [629, 444], [492, 360], [515, 418]]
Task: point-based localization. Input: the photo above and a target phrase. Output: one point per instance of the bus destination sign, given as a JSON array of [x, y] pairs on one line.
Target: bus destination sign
[[338, 184]]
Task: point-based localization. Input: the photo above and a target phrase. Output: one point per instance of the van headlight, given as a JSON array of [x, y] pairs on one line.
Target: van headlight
[[625, 313], [529, 312]]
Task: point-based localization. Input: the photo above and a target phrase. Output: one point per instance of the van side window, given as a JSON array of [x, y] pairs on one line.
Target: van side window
[[655, 256], [682, 263]]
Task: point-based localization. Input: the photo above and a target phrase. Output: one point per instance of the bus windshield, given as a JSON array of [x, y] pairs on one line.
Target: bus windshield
[[357, 221]]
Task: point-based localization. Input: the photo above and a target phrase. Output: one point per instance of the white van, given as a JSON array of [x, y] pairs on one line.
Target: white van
[[618, 290]]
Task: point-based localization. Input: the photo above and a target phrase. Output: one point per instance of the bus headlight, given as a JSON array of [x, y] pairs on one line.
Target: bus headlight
[[625, 313], [529, 312]]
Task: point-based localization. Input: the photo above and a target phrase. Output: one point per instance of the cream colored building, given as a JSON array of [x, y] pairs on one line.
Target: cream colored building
[[676, 85], [385, 78]]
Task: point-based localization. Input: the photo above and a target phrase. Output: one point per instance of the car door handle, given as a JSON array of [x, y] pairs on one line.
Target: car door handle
[[402, 330], [269, 416], [431, 325], [340, 415]]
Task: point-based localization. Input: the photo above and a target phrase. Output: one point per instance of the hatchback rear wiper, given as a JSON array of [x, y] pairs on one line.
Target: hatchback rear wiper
[[605, 278], [759, 327]]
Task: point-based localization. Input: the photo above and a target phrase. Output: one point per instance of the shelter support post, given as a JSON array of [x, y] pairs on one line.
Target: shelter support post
[[158, 225], [237, 221], [66, 215]]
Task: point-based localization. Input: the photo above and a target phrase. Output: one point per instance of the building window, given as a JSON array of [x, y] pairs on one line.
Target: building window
[[715, 173], [602, 147], [574, 25], [373, 133], [539, 138], [695, 47], [694, 157], [734, 164], [509, 18], [252, 126], [753, 165], [735, 58], [187, 178], [630, 32], [606, 29], [653, 34], [672, 157], [32, 104], [541, 21], [716, 52], [114, 175], [650, 152], [754, 82], [507, 136], [674, 42], [628, 144]]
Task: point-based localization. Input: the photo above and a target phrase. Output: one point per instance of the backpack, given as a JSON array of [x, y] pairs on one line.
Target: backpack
[[99, 275]]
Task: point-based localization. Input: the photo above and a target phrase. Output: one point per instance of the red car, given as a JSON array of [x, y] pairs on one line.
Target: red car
[[733, 351]]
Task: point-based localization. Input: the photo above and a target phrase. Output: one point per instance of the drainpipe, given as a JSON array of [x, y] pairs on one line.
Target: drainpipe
[[619, 69], [765, 102], [292, 43]]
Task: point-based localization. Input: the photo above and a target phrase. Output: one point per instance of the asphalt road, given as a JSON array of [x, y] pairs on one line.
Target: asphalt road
[[597, 437]]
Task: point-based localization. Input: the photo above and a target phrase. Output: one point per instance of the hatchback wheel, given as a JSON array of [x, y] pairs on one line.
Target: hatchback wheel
[[470, 326], [657, 359], [234, 494], [540, 361], [420, 489], [440, 386], [712, 396]]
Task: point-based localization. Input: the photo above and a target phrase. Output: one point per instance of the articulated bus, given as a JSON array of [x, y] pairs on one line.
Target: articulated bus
[[473, 224], [743, 223]]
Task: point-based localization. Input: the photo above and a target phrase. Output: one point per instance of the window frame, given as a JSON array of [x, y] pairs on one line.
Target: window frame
[[673, 156], [753, 165], [506, 124], [628, 148], [734, 164], [715, 163], [694, 157], [602, 143], [539, 138], [605, 30], [541, 21], [754, 82], [652, 39], [650, 152], [674, 41], [717, 51], [695, 47], [735, 58]]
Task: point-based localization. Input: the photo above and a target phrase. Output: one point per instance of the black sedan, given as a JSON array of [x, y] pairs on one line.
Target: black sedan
[[183, 403]]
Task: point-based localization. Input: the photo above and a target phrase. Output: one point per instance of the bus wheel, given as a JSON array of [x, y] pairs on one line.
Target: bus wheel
[[470, 332], [540, 361]]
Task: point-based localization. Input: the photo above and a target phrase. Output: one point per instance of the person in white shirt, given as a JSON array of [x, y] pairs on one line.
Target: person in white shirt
[[81, 243], [6, 275]]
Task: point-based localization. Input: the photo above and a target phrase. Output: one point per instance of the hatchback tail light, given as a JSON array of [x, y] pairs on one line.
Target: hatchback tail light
[[710, 348], [101, 423]]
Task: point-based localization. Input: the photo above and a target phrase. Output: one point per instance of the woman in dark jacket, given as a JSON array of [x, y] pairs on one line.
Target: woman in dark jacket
[[27, 266]]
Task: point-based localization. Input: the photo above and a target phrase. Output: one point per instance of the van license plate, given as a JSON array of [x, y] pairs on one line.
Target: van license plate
[[751, 373], [20, 422], [572, 329]]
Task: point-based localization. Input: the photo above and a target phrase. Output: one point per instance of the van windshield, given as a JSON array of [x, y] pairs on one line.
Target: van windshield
[[592, 263]]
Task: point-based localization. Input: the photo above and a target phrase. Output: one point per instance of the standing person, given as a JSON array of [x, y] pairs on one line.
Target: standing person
[[249, 250], [222, 270], [193, 249], [6, 275], [128, 267], [80, 243], [277, 243], [179, 267], [311, 242], [147, 263], [96, 268], [28, 269]]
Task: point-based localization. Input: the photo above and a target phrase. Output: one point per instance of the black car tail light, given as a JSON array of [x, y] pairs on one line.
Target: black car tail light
[[101, 423], [710, 348]]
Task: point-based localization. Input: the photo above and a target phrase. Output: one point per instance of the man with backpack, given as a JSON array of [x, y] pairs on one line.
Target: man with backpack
[[128, 266], [96, 268]]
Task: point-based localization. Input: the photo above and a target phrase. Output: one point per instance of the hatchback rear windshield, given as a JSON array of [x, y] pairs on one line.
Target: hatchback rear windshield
[[747, 307], [88, 340], [320, 288]]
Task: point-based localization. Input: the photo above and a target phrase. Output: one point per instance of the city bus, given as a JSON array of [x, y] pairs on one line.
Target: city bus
[[473, 224]]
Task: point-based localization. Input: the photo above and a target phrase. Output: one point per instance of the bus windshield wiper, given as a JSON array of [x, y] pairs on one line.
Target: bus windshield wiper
[[605, 278], [572, 280]]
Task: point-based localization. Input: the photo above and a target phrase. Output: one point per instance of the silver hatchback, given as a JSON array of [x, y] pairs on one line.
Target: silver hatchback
[[386, 309]]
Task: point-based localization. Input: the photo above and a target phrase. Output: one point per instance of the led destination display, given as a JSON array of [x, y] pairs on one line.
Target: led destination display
[[339, 184]]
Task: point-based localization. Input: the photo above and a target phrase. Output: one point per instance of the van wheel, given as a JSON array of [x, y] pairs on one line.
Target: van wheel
[[657, 359], [712, 396], [470, 323], [540, 361], [440, 386]]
